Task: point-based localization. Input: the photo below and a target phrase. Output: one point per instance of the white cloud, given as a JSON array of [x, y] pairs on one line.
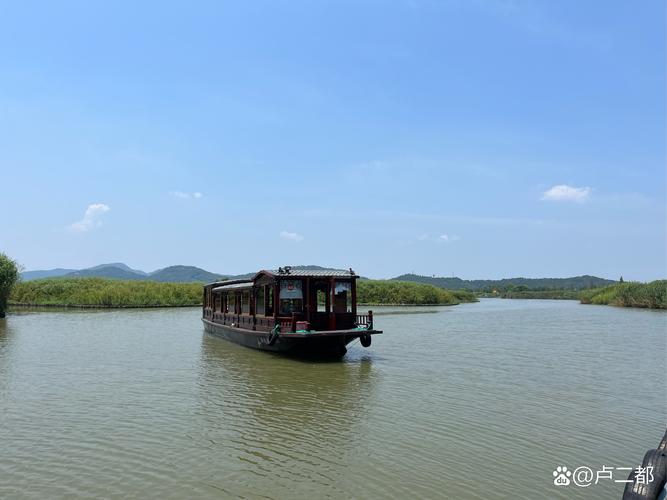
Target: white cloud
[[563, 192], [286, 235], [443, 238], [91, 219], [186, 196], [446, 238], [374, 166]]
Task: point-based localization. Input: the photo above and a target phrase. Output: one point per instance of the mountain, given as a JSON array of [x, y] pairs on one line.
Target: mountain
[[191, 274], [107, 271], [120, 271], [573, 283], [119, 265], [45, 273], [181, 274]]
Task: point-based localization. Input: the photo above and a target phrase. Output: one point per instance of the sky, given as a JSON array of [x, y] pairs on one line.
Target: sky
[[476, 138]]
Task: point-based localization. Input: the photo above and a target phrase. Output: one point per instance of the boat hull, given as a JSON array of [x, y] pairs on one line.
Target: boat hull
[[330, 343]]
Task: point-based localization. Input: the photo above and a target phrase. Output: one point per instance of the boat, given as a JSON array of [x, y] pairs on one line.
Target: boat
[[296, 311]]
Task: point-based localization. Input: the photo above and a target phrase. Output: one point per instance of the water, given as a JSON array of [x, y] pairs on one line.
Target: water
[[474, 401]]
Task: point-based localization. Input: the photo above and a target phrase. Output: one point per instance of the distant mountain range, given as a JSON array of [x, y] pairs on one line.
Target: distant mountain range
[[574, 283], [190, 274], [120, 271]]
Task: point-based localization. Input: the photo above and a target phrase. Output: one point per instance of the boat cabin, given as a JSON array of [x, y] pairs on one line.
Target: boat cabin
[[299, 300]]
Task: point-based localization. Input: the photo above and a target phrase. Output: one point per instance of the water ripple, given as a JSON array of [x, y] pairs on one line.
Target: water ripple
[[475, 401]]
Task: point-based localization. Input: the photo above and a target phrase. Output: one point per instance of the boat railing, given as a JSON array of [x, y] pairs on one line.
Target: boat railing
[[287, 323], [365, 320], [249, 322], [264, 323]]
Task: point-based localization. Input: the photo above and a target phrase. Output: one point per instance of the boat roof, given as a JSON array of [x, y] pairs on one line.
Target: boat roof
[[232, 286], [283, 272], [304, 273]]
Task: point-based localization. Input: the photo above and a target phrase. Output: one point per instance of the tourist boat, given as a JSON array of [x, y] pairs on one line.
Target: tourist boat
[[299, 311]]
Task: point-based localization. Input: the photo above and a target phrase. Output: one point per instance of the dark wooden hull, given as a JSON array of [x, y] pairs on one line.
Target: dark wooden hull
[[329, 343]]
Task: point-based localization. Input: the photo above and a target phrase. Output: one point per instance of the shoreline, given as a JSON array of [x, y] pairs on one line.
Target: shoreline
[[102, 293], [93, 306], [88, 306]]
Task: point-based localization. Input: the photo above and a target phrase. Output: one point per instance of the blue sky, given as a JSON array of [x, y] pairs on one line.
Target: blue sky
[[479, 138]]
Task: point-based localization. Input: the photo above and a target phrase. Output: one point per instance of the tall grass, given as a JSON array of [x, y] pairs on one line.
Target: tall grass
[[651, 295], [541, 294], [9, 275], [101, 292], [408, 293]]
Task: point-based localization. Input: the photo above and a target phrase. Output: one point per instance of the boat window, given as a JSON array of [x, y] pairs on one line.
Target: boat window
[[245, 303], [269, 301], [322, 300], [218, 301], [291, 297], [343, 297], [259, 300], [231, 303]]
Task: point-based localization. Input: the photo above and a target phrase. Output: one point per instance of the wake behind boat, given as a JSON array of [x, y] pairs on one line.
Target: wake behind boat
[[285, 310]]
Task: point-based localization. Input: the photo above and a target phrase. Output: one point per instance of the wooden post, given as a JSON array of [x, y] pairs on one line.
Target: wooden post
[[276, 299], [308, 299], [370, 320], [332, 314], [354, 298], [327, 302]]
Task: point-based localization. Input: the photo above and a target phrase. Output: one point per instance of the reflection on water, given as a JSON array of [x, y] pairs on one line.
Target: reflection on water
[[5, 356], [290, 424], [474, 401]]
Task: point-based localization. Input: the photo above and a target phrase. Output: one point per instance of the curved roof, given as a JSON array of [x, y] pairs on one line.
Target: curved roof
[[283, 272], [232, 286], [304, 273]]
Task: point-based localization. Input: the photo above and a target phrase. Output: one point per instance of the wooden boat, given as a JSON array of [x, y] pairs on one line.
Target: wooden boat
[[289, 310]]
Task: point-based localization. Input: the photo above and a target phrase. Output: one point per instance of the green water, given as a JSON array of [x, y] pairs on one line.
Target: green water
[[474, 401]]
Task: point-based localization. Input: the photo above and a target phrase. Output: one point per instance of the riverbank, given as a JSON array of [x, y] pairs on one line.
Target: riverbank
[[104, 293], [536, 294], [390, 292], [101, 293], [651, 295]]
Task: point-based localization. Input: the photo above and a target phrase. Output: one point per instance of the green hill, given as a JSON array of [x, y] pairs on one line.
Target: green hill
[[106, 271], [120, 271], [573, 283], [183, 274], [124, 267]]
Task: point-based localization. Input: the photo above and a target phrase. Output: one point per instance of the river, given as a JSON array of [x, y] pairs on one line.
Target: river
[[474, 401]]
